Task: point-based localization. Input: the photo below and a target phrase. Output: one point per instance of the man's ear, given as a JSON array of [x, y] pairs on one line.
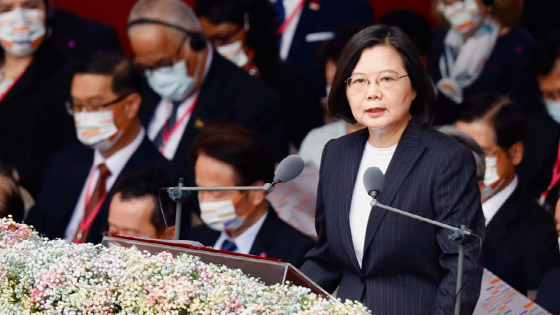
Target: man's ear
[[256, 197], [516, 153], [165, 236], [133, 105]]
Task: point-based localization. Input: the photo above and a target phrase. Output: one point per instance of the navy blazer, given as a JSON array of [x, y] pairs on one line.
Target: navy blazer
[[521, 242], [276, 239], [549, 291], [318, 16], [64, 180], [409, 267]]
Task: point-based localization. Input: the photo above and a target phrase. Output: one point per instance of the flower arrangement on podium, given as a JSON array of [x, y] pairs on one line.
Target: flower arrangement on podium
[[41, 276]]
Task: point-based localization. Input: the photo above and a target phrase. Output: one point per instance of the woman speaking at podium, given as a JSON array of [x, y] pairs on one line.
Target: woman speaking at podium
[[392, 263]]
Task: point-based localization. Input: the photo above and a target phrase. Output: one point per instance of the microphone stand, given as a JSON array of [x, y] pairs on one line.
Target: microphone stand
[[461, 235], [268, 187]]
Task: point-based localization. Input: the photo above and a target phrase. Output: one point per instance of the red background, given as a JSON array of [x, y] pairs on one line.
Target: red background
[[115, 12]]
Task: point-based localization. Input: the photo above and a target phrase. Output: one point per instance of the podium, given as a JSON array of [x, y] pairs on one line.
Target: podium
[[268, 270]]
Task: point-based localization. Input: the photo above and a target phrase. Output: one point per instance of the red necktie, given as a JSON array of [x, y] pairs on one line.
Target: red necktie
[[93, 203]]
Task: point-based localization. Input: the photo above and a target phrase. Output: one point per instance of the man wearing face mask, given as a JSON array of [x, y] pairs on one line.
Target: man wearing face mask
[[241, 221], [540, 170], [194, 84], [245, 33], [75, 194], [521, 242]]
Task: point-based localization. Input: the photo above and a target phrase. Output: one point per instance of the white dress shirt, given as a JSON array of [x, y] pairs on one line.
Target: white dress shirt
[[492, 205], [163, 110], [290, 30], [360, 208], [245, 240], [115, 163]]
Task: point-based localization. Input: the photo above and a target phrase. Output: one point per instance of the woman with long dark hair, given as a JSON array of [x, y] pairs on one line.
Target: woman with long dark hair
[[392, 263]]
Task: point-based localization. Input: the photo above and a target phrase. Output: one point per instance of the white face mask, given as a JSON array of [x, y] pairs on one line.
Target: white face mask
[[491, 175], [463, 15], [553, 109], [97, 130], [22, 31], [234, 52], [221, 215], [172, 82]]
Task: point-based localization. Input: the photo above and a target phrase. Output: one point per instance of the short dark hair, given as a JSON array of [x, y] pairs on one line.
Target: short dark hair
[[500, 112], [262, 35], [546, 54], [422, 108], [247, 152], [126, 77], [416, 26], [148, 182], [11, 203]]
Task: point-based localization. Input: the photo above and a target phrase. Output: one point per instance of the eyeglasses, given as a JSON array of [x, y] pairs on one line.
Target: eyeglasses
[[384, 81], [72, 108], [166, 62]]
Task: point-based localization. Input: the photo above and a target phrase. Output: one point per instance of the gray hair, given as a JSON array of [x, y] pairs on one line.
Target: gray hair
[[173, 12], [468, 142]]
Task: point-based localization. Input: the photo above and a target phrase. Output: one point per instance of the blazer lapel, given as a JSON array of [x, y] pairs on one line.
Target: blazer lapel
[[407, 153], [305, 25], [350, 161], [266, 234], [498, 228]]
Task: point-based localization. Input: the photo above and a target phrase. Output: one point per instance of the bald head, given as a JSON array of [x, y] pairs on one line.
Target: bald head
[[174, 12]]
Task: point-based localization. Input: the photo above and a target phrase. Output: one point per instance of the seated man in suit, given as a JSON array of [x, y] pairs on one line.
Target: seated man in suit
[[541, 160], [74, 198], [135, 208], [194, 84], [241, 221], [520, 245]]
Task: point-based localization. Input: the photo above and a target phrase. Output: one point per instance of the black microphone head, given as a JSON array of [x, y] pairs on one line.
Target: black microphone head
[[374, 181], [289, 168]]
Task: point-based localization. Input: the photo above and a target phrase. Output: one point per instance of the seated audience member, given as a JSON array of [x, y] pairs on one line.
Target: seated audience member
[[539, 165], [74, 198], [304, 25], [245, 33], [11, 202], [193, 84], [482, 50], [135, 208], [241, 221], [29, 59], [416, 26], [312, 145], [549, 291], [521, 241]]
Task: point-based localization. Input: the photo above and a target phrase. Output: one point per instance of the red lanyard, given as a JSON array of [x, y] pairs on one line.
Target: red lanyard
[[11, 86], [291, 17], [168, 134], [555, 178], [87, 221]]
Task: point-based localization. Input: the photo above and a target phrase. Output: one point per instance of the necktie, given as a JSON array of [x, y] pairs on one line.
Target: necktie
[[158, 140], [229, 246], [97, 195]]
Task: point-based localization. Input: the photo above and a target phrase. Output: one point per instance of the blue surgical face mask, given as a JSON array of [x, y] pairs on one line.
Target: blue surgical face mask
[[172, 82], [553, 109]]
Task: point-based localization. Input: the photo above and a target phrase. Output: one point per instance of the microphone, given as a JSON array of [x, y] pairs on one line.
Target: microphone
[[374, 181], [288, 169]]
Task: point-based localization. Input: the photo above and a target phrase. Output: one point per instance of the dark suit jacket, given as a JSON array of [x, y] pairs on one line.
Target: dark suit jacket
[[64, 180], [540, 17], [521, 242], [331, 13], [19, 113], [276, 239], [228, 93], [549, 291], [409, 267], [506, 72], [77, 36], [541, 150]]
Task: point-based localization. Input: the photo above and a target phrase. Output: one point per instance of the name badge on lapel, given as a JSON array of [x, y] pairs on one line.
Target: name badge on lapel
[[198, 124]]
